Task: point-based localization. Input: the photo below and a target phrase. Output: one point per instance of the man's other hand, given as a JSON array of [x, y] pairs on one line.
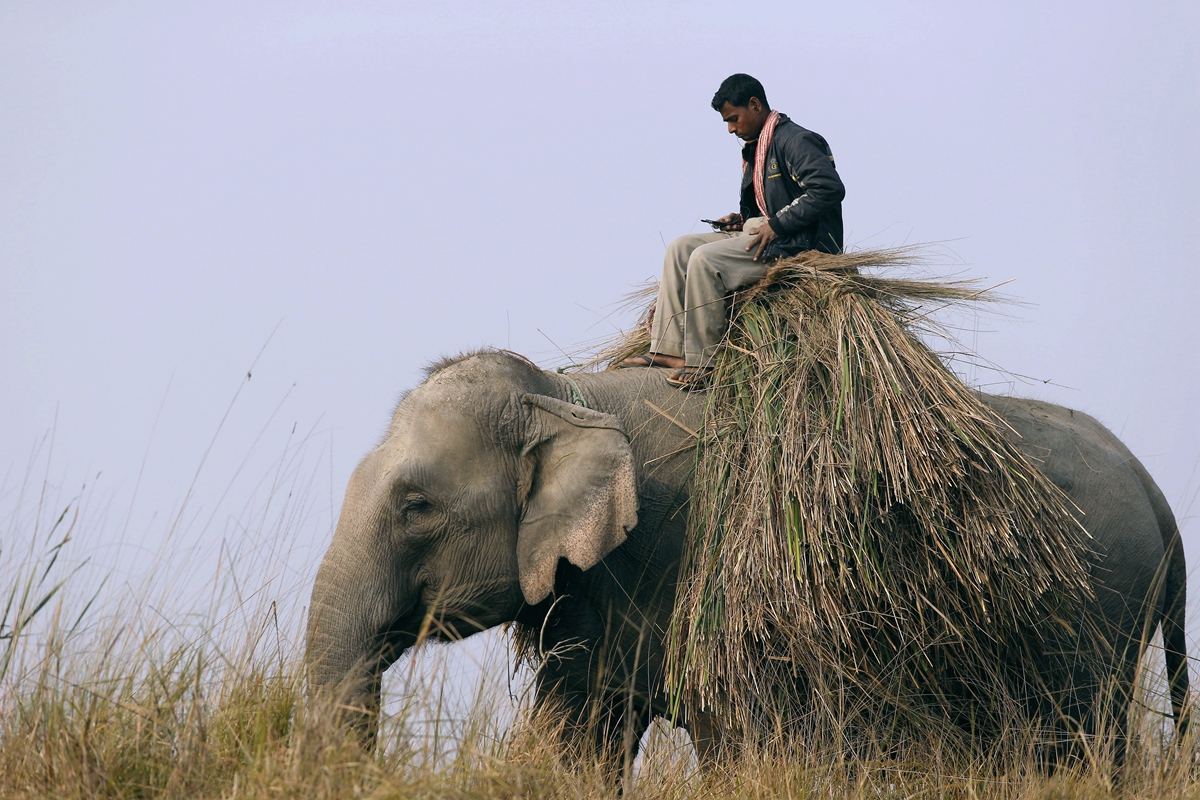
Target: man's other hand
[[760, 239], [730, 222]]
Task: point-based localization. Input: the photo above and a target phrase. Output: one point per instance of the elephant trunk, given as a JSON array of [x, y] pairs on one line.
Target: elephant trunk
[[353, 630]]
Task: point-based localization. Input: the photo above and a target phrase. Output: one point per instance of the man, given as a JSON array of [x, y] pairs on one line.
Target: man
[[791, 201]]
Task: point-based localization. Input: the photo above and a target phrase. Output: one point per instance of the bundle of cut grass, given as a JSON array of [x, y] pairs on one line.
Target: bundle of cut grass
[[867, 546]]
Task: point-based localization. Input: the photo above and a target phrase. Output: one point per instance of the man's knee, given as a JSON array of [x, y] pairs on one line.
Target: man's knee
[[727, 263], [682, 247], [676, 260], [701, 261], [678, 245]]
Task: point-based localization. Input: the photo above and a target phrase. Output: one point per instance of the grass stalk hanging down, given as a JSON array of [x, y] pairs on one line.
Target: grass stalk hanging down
[[867, 547]]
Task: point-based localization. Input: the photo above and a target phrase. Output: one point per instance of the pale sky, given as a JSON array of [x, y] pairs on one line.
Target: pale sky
[[338, 197]]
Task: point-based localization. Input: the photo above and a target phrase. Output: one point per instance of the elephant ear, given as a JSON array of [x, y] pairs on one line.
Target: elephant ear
[[580, 490]]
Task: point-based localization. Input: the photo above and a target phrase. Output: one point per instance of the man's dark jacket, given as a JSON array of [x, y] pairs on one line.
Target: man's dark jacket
[[802, 190]]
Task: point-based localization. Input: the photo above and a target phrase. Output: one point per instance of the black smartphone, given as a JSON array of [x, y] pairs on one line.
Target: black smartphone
[[718, 223]]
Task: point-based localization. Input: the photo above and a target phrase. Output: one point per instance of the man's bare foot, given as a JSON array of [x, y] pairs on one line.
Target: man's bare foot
[[653, 360]]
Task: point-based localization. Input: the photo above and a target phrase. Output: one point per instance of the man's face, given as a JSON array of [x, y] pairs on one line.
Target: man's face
[[746, 121]]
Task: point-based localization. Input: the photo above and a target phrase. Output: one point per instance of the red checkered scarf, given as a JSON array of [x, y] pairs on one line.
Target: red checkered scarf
[[760, 159]]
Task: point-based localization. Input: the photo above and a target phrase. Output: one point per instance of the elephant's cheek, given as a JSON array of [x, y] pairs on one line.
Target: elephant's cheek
[[476, 586]]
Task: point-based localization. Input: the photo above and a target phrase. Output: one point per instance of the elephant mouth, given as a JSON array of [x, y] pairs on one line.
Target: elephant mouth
[[439, 617], [418, 625], [450, 614], [442, 624], [398, 636]]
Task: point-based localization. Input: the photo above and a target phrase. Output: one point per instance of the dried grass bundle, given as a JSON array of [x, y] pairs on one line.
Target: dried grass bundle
[[867, 546]]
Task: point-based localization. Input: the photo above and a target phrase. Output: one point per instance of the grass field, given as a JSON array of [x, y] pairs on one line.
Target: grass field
[[143, 690]]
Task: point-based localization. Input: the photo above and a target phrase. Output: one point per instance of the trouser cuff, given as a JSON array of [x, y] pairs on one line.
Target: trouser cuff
[[666, 347], [700, 360]]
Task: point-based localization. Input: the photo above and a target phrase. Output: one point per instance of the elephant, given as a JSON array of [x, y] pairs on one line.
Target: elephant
[[502, 493]]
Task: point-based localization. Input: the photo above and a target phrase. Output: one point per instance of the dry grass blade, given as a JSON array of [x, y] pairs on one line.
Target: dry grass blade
[[617, 349]]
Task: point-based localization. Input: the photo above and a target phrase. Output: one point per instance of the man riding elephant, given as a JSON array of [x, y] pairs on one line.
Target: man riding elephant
[[791, 201]]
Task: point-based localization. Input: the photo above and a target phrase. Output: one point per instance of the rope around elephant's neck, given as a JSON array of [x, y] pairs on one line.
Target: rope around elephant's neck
[[576, 393]]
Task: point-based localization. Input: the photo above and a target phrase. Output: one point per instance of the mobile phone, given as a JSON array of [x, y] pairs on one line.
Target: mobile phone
[[718, 223]]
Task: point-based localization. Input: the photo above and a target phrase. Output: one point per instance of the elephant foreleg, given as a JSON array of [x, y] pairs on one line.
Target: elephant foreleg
[[605, 728]]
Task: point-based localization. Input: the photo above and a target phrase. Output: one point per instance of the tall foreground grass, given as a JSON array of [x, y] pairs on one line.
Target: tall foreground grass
[[142, 686]]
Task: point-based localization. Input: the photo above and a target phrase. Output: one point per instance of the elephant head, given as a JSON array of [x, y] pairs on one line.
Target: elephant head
[[483, 481]]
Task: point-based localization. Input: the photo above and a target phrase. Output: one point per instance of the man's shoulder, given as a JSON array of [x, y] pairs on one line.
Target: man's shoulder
[[787, 130]]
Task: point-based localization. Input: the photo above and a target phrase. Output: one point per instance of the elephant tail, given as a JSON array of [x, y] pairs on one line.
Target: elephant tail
[[1173, 574], [1173, 621]]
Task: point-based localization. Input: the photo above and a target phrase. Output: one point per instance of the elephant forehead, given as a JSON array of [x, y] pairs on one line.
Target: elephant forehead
[[432, 444], [452, 400]]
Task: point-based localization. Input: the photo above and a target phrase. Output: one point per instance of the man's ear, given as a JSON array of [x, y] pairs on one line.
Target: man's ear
[[580, 490]]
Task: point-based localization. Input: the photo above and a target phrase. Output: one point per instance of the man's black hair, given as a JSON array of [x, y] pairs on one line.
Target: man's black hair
[[737, 91]]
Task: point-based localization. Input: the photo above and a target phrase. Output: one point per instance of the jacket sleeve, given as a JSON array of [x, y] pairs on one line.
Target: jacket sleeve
[[811, 167]]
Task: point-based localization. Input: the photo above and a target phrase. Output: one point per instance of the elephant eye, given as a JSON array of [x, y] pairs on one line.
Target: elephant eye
[[413, 506]]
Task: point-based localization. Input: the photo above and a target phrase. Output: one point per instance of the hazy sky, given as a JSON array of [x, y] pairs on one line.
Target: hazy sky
[[337, 194]]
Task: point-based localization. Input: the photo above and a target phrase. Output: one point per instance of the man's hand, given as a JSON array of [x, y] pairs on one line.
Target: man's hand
[[730, 222], [761, 238]]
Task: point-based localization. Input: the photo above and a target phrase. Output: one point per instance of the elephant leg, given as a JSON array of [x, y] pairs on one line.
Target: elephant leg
[[601, 726], [1109, 726], [620, 739], [1089, 714], [1108, 717], [710, 739]]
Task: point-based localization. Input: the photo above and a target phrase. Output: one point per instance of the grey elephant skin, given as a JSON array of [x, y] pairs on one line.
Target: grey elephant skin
[[501, 493]]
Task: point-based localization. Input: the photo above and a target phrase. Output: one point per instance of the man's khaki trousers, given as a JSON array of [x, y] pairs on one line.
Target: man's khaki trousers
[[699, 273]]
